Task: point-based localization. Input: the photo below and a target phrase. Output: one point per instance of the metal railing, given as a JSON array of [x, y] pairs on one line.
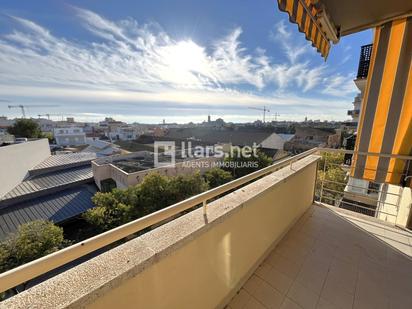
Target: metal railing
[[364, 61], [336, 187], [31, 270]]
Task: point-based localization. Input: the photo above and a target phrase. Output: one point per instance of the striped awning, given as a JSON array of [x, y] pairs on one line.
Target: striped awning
[[385, 124], [303, 13]]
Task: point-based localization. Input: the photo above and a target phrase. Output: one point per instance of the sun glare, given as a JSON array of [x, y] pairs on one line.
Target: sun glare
[[186, 56]]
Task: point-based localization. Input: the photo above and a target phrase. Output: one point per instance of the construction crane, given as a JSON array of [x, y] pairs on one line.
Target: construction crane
[[47, 115], [54, 115], [264, 109], [23, 108], [276, 115]]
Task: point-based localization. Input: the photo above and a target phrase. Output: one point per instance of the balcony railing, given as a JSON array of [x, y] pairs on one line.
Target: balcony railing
[[381, 200], [364, 61], [26, 272]]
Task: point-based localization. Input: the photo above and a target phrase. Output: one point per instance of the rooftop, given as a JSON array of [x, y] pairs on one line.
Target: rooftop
[[137, 161], [241, 136], [56, 207], [62, 161], [42, 184], [57, 189]]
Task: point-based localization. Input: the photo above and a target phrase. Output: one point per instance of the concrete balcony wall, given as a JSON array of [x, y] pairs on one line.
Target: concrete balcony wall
[[194, 261]]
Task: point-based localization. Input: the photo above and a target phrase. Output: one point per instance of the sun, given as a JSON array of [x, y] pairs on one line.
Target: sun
[[186, 56]]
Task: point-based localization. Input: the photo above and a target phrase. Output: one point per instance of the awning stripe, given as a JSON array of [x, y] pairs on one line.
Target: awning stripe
[[386, 116], [380, 121], [396, 102], [371, 98], [303, 13]]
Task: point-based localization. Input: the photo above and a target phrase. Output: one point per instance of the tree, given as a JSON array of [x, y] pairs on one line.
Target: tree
[[25, 128], [155, 192], [331, 159], [333, 177], [109, 211], [240, 165], [31, 241], [216, 177], [47, 135]]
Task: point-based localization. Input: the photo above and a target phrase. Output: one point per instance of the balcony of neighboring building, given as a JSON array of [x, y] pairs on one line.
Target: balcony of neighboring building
[[364, 61], [264, 245], [363, 67], [354, 112]]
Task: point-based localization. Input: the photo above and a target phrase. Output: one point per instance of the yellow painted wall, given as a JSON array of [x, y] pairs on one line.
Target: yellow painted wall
[[207, 271]]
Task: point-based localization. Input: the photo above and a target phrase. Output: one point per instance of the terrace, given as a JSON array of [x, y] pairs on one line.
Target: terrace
[[266, 244]]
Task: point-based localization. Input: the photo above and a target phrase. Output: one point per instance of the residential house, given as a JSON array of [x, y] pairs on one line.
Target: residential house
[[101, 148], [306, 138]]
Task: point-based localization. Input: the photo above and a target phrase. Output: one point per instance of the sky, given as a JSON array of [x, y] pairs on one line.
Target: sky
[[177, 60]]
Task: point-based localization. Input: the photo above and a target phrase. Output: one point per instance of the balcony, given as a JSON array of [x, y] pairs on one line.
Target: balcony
[[354, 112], [264, 245], [364, 61]]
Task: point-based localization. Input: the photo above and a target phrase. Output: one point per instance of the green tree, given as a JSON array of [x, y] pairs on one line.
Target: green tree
[[25, 128], [331, 159], [155, 192], [31, 241], [333, 176], [216, 177], [184, 186], [240, 165], [47, 135], [110, 210]]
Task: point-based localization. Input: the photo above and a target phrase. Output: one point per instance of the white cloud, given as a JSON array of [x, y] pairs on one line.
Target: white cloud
[[142, 63], [340, 86]]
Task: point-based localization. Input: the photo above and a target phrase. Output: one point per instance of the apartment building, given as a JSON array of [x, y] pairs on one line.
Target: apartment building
[[69, 136], [360, 81], [123, 133]]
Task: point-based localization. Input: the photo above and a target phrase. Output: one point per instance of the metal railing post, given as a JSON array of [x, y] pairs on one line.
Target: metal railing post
[[323, 180]]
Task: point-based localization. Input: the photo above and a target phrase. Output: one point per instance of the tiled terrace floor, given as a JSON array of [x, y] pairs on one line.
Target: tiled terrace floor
[[334, 259]]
